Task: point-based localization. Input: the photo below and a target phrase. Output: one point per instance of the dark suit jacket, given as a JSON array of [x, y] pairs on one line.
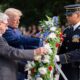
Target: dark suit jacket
[[8, 58], [15, 38]]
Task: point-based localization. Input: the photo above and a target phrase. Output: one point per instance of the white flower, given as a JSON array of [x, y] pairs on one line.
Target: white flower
[[46, 59], [42, 70], [47, 46], [47, 22], [52, 28], [39, 78], [29, 72], [32, 63], [28, 66], [37, 57], [46, 56], [43, 26], [29, 77], [52, 35]]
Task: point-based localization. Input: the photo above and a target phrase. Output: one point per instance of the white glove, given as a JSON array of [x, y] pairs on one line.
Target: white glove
[[56, 58]]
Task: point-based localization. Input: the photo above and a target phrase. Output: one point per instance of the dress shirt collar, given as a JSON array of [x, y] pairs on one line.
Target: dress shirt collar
[[0, 35], [76, 25]]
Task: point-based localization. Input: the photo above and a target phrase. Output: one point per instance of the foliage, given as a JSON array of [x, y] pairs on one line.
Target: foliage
[[35, 10]]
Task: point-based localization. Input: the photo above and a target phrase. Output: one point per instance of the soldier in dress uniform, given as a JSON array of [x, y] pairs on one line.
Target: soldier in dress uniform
[[70, 48]]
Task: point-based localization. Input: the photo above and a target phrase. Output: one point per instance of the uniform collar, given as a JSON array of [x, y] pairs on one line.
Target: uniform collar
[[76, 25]]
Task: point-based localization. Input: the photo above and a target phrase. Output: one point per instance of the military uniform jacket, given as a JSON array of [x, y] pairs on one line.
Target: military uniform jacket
[[71, 40], [71, 43], [73, 55]]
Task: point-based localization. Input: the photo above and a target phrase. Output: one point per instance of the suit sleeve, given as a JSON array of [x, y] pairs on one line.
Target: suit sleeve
[[19, 39], [15, 54], [12, 37], [73, 56]]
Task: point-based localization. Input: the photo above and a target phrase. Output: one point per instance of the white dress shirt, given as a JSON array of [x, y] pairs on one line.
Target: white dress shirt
[[76, 25]]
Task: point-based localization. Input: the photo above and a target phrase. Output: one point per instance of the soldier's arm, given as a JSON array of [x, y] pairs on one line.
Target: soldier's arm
[[73, 56]]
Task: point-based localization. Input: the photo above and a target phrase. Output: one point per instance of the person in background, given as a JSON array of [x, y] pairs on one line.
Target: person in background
[[23, 30], [34, 30], [28, 31], [10, 55], [69, 53], [40, 32]]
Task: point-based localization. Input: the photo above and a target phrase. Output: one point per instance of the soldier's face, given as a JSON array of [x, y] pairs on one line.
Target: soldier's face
[[3, 27], [72, 19]]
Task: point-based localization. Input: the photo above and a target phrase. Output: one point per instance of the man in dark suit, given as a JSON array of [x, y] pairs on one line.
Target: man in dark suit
[[9, 55], [14, 36], [69, 52], [16, 39]]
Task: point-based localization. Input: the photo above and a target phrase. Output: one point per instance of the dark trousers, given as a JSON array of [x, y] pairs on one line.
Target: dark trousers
[[21, 73], [72, 72]]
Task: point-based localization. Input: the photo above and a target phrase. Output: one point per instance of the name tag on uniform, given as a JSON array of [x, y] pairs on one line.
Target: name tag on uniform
[[75, 38]]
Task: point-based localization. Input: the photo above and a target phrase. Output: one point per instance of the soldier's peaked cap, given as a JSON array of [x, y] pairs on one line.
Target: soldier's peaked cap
[[72, 8]]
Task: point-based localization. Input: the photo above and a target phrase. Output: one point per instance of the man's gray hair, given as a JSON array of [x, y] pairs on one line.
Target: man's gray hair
[[3, 17], [13, 11]]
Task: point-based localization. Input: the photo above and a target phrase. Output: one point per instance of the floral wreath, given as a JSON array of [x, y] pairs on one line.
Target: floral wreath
[[43, 66]]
